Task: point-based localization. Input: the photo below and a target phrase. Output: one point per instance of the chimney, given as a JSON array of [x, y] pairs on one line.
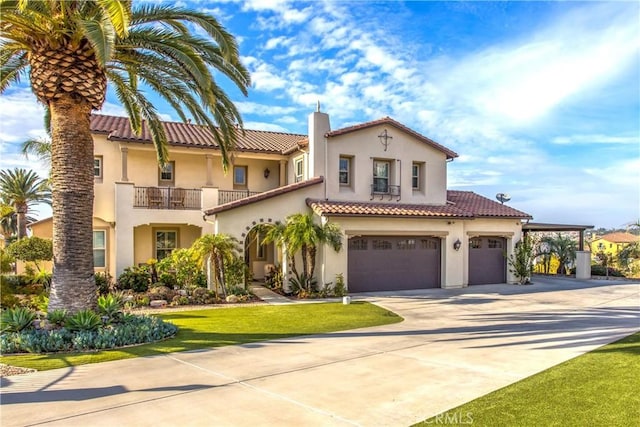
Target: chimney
[[318, 127]]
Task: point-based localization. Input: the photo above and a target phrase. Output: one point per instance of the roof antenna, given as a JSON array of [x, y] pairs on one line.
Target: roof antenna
[[318, 106]]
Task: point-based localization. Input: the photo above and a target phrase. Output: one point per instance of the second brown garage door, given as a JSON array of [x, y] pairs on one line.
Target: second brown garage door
[[487, 263], [387, 263]]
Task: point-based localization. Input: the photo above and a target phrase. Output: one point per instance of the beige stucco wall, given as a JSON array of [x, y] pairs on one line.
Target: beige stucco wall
[[143, 236], [364, 146]]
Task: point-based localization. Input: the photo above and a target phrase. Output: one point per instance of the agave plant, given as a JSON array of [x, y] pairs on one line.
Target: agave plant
[[84, 320], [110, 306], [16, 319]]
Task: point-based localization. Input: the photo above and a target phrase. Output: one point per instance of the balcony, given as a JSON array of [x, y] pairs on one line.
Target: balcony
[[382, 190], [227, 196], [167, 198]]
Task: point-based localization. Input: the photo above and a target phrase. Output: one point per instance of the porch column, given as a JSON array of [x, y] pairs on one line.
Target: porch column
[[124, 151], [209, 158], [124, 244], [283, 173]]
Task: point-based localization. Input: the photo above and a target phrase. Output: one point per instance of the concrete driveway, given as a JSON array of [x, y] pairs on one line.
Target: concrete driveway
[[454, 346]]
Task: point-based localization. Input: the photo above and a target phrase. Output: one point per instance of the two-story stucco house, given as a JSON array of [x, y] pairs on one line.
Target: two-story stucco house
[[382, 183]]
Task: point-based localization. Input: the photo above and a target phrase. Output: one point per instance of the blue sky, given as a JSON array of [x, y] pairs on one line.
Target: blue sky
[[540, 99]]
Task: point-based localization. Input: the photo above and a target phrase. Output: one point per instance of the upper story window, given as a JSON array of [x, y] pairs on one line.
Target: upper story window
[[345, 171], [167, 174], [381, 176], [298, 168], [417, 172], [240, 176], [99, 248], [97, 167]]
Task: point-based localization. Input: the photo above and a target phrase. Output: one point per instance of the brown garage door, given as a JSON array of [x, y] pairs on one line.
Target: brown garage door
[[386, 263], [487, 263]]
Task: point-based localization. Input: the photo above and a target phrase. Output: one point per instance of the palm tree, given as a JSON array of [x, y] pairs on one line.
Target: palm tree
[[300, 233], [22, 189], [564, 248], [217, 250], [71, 49]]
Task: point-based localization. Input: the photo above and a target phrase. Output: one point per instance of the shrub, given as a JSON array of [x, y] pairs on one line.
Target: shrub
[[14, 281], [6, 262], [180, 300], [184, 266], [274, 279], [135, 278], [235, 272], [39, 302], [203, 296], [161, 292], [339, 289], [84, 320], [16, 319], [167, 279], [31, 249], [599, 270], [104, 283], [521, 261]]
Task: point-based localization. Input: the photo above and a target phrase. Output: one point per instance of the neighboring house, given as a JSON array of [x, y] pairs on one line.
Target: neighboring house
[[613, 243], [381, 182]]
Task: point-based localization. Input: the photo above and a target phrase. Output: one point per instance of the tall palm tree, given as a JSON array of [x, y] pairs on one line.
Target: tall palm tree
[[22, 189], [216, 249], [71, 49]]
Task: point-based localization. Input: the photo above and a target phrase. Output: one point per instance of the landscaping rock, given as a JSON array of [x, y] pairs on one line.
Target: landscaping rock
[[232, 299], [159, 303]]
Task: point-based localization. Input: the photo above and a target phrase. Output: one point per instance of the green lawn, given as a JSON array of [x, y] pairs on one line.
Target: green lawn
[[200, 329], [599, 388]]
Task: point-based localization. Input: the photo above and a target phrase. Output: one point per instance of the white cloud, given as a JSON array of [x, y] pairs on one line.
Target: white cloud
[[276, 41], [21, 116], [246, 107], [264, 126], [596, 139]]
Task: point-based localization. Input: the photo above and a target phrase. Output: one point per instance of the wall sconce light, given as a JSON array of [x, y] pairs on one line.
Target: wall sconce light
[[457, 244], [267, 172]]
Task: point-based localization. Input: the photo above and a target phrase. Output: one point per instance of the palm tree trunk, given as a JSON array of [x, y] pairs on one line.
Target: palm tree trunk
[[73, 284], [21, 213], [311, 261]]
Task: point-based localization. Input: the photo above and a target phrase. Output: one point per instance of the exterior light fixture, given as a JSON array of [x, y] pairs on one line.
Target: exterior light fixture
[[267, 172], [457, 244]]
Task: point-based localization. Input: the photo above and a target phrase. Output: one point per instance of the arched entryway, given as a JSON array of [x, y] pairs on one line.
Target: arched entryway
[[258, 256]]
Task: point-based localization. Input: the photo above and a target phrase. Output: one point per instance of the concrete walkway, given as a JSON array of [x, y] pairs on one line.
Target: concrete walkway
[[454, 345], [267, 295]]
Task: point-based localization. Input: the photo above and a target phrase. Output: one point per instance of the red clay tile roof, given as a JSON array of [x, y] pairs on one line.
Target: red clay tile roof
[[346, 208], [461, 204], [620, 237], [263, 196], [481, 206], [185, 134], [389, 121]]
